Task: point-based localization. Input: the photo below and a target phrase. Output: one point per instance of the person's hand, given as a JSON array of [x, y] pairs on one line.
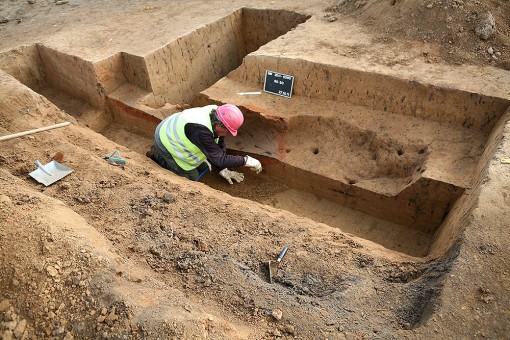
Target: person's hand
[[253, 164], [230, 175]]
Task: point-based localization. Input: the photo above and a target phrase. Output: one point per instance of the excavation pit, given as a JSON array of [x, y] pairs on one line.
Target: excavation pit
[[344, 151], [406, 154], [373, 183]]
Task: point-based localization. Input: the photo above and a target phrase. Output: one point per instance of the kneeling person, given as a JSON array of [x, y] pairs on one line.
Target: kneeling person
[[187, 140]]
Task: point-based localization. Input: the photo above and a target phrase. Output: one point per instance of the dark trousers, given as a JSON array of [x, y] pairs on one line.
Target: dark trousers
[[165, 160]]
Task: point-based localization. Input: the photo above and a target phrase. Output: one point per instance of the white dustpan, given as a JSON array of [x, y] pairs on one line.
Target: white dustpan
[[50, 173]]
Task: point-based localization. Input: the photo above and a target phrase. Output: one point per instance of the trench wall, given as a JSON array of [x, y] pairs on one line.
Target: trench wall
[[377, 91], [38, 66], [24, 63], [193, 62], [134, 70], [261, 26], [110, 74], [423, 205], [459, 216], [124, 103], [176, 73], [72, 75]]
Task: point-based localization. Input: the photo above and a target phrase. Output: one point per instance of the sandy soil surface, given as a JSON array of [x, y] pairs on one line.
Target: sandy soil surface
[[134, 251]]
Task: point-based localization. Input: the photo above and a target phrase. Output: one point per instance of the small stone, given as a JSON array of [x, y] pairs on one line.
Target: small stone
[[490, 50], [111, 318], [487, 27], [59, 330], [277, 313], [202, 246], [8, 335], [277, 333], [4, 305], [290, 329], [407, 325], [330, 17], [61, 2], [10, 325], [4, 199], [429, 6], [20, 329], [52, 271], [75, 280], [31, 2], [168, 197], [3, 20]]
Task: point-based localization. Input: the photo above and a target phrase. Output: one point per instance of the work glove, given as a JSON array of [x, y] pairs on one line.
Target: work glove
[[253, 164], [230, 175]]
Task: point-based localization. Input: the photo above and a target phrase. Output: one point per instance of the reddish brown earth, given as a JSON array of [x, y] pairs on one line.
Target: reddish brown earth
[[384, 174]]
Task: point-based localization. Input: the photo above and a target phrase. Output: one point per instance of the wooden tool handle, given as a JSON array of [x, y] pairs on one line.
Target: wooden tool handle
[[19, 134]]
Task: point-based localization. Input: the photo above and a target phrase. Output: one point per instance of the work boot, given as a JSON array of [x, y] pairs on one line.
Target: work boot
[[152, 152]]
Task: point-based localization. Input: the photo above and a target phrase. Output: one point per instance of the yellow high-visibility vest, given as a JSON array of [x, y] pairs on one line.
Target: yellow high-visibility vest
[[186, 154]]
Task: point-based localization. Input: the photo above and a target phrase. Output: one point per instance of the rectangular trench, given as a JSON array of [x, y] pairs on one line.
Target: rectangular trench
[[415, 211]]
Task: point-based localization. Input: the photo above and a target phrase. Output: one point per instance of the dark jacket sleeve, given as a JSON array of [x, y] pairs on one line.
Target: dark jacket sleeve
[[215, 153]]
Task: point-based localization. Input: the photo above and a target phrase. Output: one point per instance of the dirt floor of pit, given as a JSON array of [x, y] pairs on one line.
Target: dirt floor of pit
[[137, 252]]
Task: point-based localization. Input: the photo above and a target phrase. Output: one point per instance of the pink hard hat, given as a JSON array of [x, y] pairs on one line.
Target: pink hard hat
[[231, 117]]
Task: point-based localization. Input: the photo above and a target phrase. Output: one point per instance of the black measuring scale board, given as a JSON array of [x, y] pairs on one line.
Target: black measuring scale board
[[278, 83]]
